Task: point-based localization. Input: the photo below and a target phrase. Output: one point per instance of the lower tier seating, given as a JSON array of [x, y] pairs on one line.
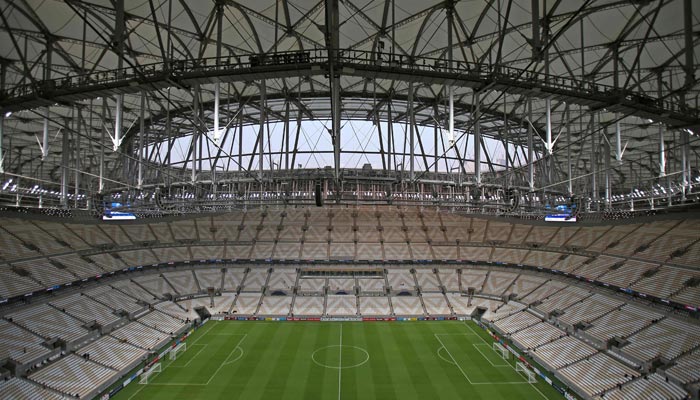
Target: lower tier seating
[[74, 376], [597, 374]]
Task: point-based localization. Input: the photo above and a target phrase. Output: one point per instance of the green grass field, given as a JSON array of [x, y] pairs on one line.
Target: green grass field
[[338, 360]]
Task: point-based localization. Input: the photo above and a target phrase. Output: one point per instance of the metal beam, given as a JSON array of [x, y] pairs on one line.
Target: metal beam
[[689, 48], [535, 30]]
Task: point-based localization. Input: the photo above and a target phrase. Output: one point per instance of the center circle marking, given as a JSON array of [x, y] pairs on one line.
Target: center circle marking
[[321, 364]]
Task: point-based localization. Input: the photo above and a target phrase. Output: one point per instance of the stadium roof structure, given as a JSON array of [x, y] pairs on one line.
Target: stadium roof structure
[[479, 102]]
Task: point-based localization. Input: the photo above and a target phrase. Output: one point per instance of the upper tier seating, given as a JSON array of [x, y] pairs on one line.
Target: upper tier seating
[[589, 309], [667, 338], [623, 322], [48, 322], [209, 278], [85, 309], [12, 284], [114, 299], [563, 352]]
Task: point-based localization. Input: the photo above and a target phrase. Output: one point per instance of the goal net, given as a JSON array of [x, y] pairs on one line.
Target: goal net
[[502, 351], [182, 347], [525, 371], [146, 375]]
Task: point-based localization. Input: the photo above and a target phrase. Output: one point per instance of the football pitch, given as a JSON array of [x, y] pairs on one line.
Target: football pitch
[[338, 360]]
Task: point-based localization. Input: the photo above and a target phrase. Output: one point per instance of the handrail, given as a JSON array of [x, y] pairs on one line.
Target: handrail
[[461, 70]]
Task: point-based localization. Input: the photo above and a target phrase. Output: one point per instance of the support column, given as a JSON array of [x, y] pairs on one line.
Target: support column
[[76, 147], [197, 131], [618, 141], [217, 85], [548, 105], [287, 135], [662, 151], [118, 117], [411, 130], [45, 136], [477, 139], [2, 158], [333, 44], [535, 30], [530, 150], [450, 90], [65, 150], [103, 131], [568, 155], [261, 133], [548, 144], [685, 184], [607, 174], [142, 133], [119, 43], [594, 161], [689, 47]]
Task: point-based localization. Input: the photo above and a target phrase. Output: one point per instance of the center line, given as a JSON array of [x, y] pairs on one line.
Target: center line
[[340, 359]]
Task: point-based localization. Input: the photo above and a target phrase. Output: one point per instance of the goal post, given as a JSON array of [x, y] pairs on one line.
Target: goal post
[[146, 375], [525, 371], [182, 347], [502, 351]]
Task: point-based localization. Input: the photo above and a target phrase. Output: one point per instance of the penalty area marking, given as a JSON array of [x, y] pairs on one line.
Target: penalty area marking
[[454, 361], [223, 363], [500, 365], [227, 362], [484, 340], [443, 357], [203, 346]]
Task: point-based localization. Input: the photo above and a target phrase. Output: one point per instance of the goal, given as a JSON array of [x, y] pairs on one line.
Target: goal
[[528, 373], [502, 351], [146, 375], [182, 347]]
